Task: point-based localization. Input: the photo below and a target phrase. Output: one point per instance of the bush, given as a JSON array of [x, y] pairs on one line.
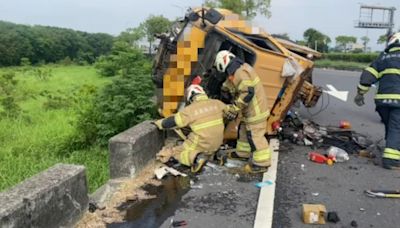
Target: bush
[[357, 51], [43, 73], [340, 65], [124, 60], [120, 105], [106, 66], [8, 95], [76, 98], [352, 57], [25, 62], [67, 61], [56, 101], [123, 103]]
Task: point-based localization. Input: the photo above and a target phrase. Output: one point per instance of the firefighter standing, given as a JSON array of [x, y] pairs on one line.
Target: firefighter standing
[[386, 70], [250, 100], [205, 118]]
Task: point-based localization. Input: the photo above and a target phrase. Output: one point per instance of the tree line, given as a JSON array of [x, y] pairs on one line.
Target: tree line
[[44, 44], [344, 43], [246, 8]]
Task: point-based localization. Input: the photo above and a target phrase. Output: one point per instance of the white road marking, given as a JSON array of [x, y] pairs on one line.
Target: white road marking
[[265, 207], [342, 95]]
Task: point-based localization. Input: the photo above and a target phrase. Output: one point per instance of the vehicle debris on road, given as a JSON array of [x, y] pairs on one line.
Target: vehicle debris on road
[[264, 183], [178, 223], [164, 170], [353, 224], [195, 186], [366, 154], [344, 124], [333, 217], [314, 213], [320, 158], [338, 142], [337, 154], [315, 193], [383, 193]]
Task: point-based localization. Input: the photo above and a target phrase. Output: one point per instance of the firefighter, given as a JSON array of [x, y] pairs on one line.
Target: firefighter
[[204, 116], [386, 70], [241, 80]]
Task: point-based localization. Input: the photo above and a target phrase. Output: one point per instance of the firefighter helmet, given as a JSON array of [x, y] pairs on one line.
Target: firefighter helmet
[[395, 38], [192, 91], [222, 60]]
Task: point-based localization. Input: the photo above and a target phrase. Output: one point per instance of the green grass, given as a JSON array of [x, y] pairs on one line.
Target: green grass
[[340, 65], [36, 139]]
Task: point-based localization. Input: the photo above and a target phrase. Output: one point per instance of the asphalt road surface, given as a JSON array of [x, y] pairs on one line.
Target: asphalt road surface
[[339, 187], [218, 197]]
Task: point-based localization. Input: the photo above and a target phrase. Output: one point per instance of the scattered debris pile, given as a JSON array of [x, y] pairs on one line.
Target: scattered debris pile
[[306, 132]]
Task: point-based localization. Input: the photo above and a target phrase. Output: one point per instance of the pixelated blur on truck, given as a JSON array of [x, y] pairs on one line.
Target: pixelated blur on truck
[[189, 49]]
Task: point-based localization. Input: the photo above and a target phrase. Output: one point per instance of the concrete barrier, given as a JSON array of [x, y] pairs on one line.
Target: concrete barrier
[[58, 196], [132, 149], [53, 198]]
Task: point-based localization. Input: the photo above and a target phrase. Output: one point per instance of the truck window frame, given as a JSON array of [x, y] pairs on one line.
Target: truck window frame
[[216, 41], [268, 45]]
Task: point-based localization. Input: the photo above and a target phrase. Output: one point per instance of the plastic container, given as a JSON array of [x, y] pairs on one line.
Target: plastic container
[[338, 154], [344, 124], [316, 157]]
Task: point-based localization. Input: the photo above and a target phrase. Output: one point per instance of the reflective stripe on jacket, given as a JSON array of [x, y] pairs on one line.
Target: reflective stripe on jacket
[[205, 118], [249, 94], [385, 70]]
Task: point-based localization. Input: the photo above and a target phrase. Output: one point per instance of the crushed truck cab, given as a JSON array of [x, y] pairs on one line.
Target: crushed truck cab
[[189, 50]]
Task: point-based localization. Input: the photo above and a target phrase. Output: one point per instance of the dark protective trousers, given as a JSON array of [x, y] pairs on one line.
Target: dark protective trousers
[[391, 118]]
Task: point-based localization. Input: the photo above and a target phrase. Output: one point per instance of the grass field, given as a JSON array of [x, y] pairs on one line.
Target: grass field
[[36, 139]]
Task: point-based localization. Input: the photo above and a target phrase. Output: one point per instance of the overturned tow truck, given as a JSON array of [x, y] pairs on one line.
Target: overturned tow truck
[[189, 50]]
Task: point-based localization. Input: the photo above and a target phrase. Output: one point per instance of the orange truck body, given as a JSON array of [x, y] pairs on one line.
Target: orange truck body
[[189, 50]]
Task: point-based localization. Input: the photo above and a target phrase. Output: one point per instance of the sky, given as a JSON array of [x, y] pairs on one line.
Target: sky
[[331, 17]]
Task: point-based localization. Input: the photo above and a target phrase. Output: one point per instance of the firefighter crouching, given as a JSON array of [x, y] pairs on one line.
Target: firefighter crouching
[[250, 101], [204, 116], [386, 70]]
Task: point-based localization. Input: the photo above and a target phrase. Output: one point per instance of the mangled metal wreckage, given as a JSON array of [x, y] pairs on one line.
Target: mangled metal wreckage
[[189, 50]]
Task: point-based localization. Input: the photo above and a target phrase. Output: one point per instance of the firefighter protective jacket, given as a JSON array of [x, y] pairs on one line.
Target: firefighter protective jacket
[[205, 118], [245, 85], [386, 70]]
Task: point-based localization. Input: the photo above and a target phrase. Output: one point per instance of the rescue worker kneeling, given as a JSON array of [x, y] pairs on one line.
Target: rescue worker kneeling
[[243, 83], [204, 116]]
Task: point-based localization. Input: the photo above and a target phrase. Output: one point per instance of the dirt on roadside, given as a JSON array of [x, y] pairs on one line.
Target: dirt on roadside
[[129, 191]]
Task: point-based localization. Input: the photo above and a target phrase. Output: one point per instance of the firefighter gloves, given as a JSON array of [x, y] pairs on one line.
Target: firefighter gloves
[[359, 99], [165, 154], [231, 112]]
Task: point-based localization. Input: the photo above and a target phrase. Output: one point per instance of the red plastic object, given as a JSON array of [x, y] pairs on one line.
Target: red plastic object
[[196, 80], [276, 125], [344, 124], [318, 158]]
